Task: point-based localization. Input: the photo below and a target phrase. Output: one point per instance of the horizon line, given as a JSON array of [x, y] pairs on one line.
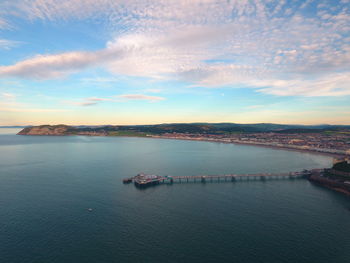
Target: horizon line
[[172, 123]]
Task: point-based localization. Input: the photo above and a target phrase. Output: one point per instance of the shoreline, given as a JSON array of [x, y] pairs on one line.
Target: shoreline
[[330, 184], [334, 155], [332, 188]]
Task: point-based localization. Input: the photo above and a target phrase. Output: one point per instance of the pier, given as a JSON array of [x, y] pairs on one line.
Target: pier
[[144, 180]]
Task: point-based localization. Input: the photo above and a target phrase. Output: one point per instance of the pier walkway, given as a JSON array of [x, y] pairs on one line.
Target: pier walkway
[[141, 180]]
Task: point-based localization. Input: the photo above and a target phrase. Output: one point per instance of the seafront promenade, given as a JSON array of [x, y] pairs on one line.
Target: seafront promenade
[[337, 151]]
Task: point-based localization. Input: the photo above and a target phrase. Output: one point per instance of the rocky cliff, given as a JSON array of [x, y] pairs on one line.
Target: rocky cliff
[[48, 130]]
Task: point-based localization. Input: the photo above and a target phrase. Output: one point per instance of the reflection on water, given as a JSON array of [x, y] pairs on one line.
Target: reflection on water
[[9, 130]]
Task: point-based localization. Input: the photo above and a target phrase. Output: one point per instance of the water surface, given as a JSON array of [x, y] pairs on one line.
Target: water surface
[[48, 183]]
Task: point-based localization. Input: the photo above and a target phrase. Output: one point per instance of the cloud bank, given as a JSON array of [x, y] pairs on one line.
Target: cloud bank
[[282, 48]]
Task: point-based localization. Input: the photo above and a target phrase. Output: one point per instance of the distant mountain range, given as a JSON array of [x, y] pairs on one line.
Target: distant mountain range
[[200, 128]]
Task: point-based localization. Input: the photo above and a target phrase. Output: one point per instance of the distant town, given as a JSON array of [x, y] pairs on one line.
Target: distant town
[[332, 142]]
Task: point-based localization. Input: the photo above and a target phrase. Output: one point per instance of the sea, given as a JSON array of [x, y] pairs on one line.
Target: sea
[[62, 200]]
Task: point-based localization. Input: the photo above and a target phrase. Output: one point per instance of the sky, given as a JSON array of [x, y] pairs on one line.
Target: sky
[[98, 62]]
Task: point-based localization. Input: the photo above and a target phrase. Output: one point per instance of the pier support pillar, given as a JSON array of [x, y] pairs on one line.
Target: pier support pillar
[[203, 179]]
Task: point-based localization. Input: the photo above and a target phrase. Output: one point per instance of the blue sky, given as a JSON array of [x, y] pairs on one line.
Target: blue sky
[[140, 62]]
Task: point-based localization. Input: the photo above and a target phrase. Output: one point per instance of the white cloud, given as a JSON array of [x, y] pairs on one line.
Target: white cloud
[[8, 44], [84, 103], [55, 66], [154, 90], [88, 101], [3, 23], [99, 80], [306, 3], [9, 103], [140, 97], [48, 66], [8, 96], [138, 12], [253, 107], [336, 84], [118, 98], [22, 109], [135, 55]]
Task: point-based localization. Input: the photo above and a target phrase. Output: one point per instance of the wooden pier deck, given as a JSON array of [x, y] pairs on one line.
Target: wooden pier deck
[[147, 180]]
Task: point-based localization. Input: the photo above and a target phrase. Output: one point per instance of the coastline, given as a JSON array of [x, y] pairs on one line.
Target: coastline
[[322, 142], [334, 155], [328, 183]]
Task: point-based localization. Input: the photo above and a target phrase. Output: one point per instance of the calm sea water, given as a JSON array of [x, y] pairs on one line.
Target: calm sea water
[[47, 185]]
